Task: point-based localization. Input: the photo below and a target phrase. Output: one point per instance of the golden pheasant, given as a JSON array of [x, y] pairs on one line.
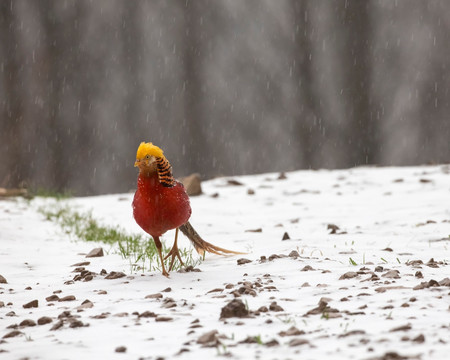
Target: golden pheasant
[[161, 204]]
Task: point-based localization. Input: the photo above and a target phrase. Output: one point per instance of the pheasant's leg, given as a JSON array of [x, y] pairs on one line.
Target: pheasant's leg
[[174, 252], [159, 248]]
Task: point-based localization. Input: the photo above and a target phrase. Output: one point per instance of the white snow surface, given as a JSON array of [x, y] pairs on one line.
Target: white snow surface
[[403, 209]]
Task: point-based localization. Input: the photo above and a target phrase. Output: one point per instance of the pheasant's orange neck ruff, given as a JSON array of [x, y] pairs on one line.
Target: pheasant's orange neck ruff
[[164, 172]]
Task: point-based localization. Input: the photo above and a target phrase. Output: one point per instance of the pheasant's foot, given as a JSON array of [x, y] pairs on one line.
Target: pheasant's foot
[[175, 253]]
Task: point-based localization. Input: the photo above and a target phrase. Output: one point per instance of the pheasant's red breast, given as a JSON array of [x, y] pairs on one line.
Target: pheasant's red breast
[[158, 208]]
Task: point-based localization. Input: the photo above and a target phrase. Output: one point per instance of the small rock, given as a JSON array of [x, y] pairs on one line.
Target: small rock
[[292, 331], [333, 228], [294, 254], [97, 252], [235, 308], [348, 275], [275, 307], [2, 304], [215, 290], [67, 298], [208, 337], [378, 269], [282, 176], [167, 290], [2, 280], [147, 314], [401, 328], [392, 274], [154, 296], [120, 349], [258, 230], [234, 182], [419, 339], [263, 309], [286, 236], [52, 298], [86, 304], [44, 320], [418, 275], [168, 303], [307, 268], [298, 342], [31, 304], [114, 275], [76, 324], [163, 318], [243, 261], [271, 343], [251, 192], [13, 333], [27, 322], [192, 184], [57, 325], [83, 263]]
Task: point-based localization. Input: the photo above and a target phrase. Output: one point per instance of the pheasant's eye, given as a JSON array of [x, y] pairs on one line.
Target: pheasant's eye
[[147, 157]]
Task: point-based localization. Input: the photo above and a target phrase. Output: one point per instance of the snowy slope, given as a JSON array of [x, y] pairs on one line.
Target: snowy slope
[[387, 219]]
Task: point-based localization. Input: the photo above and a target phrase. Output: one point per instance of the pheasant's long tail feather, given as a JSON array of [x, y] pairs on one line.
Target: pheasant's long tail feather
[[201, 245]]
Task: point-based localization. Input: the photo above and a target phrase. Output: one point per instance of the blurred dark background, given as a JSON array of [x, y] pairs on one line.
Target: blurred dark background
[[224, 87]]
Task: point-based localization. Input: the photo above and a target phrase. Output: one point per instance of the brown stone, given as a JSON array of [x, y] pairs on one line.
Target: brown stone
[[114, 275], [348, 275], [97, 252], [163, 318], [120, 349], [243, 261], [275, 307], [67, 298], [298, 342], [235, 308], [208, 337], [154, 296], [27, 322], [52, 298], [192, 184], [2, 280], [292, 331], [13, 333], [44, 320], [31, 304]]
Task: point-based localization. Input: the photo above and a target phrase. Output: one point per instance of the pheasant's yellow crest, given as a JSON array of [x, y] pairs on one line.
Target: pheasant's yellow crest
[[148, 149]]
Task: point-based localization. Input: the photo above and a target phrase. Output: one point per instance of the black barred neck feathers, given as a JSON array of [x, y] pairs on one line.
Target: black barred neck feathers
[[164, 172]]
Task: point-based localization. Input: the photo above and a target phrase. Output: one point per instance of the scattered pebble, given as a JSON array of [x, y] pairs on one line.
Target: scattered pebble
[[348, 275], [154, 296], [114, 275], [120, 349], [97, 252], [209, 337], [44, 320], [13, 333], [27, 323], [163, 318], [31, 304], [235, 308], [243, 261]]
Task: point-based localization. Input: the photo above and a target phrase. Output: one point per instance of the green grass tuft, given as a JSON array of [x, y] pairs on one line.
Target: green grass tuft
[[140, 251]]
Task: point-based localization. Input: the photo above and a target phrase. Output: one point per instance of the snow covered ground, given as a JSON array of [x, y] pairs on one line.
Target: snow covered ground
[[364, 274]]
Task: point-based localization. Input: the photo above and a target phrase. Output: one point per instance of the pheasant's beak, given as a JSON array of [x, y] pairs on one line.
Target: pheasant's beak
[[137, 163]]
